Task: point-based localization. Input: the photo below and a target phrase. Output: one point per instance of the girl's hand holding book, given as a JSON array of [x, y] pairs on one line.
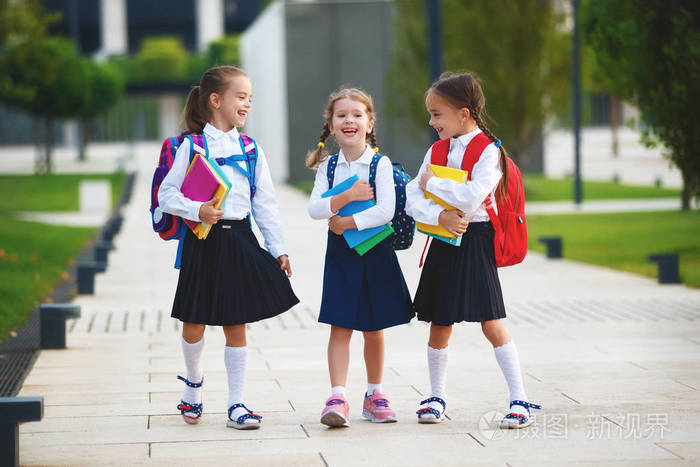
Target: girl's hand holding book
[[339, 224], [427, 175], [454, 221], [208, 213], [361, 191]]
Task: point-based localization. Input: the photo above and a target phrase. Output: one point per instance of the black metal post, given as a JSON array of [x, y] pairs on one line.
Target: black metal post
[[576, 84]]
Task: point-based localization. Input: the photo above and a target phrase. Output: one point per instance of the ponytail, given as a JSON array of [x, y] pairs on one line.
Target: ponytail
[[502, 190], [214, 80], [315, 157], [194, 115]]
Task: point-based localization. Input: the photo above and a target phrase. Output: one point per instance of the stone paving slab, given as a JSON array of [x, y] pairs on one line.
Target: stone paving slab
[[613, 357]]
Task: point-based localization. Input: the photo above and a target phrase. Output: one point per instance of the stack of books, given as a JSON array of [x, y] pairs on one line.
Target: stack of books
[[203, 181], [360, 240], [438, 231]]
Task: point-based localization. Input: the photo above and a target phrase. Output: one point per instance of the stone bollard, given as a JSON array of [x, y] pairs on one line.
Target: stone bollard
[[554, 246], [16, 410], [668, 267], [112, 227], [101, 251], [86, 276], [52, 320]]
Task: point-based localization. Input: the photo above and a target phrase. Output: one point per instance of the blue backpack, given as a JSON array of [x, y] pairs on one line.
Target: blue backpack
[[403, 224]]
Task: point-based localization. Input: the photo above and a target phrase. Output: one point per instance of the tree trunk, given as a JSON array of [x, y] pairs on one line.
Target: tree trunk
[[48, 163], [83, 139], [38, 145], [615, 122], [685, 195]]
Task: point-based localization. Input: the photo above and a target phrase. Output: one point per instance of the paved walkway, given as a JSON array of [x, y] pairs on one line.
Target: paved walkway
[[613, 358]]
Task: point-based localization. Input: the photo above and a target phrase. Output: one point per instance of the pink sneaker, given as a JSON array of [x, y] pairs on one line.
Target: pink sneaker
[[376, 408], [336, 411]]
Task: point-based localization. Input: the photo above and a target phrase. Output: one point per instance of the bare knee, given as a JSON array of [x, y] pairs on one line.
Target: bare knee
[[373, 336], [192, 332], [439, 336], [339, 334], [235, 335], [495, 332]]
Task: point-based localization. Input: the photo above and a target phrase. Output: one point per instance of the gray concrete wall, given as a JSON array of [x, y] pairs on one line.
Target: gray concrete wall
[[330, 44]]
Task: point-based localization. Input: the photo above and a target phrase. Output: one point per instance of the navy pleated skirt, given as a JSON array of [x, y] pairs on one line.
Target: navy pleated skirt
[[229, 278], [461, 283], [364, 293]]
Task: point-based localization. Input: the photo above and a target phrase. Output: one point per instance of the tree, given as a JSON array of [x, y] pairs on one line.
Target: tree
[[106, 88], [519, 49], [648, 52], [46, 78], [162, 58], [22, 21]]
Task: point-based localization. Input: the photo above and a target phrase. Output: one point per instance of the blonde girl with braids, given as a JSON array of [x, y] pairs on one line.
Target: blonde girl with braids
[[227, 279], [360, 293], [461, 283]]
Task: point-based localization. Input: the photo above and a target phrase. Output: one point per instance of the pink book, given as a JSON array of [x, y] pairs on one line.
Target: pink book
[[202, 182]]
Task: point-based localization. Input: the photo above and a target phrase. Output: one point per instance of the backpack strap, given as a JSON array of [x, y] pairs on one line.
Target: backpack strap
[[330, 169], [473, 152], [373, 172], [249, 155], [439, 152], [198, 145]]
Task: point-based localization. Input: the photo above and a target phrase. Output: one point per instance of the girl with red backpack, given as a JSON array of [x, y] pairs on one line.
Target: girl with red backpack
[[460, 283], [226, 279]]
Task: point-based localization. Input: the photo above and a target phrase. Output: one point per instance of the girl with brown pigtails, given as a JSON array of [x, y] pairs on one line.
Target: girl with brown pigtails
[[460, 283], [365, 293]]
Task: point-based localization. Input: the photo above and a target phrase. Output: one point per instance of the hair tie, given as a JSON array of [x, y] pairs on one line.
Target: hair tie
[[498, 143], [376, 149], [321, 144]]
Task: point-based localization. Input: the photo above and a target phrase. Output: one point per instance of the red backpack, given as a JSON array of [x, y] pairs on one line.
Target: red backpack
[[510, 240]]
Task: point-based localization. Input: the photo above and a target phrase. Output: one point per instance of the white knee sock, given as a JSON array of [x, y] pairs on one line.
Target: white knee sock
[[508, 360], [235, 359], [193, 354], [437, 367]]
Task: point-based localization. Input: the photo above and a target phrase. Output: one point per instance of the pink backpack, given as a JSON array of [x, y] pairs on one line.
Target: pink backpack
[[170, 227]]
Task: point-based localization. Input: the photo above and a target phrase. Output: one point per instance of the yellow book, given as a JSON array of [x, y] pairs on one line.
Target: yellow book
[[440, 171]]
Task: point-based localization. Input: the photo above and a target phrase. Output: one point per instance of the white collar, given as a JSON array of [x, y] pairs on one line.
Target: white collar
[[214, 133], [365, 158], [465, 138]]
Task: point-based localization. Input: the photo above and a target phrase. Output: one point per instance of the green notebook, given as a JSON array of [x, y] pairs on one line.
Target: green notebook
[[371, 242]]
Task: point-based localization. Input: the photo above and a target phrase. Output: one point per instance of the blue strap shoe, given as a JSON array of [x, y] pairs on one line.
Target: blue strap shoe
[[425, 411], [191, 413], [239, 423], [518, 420]]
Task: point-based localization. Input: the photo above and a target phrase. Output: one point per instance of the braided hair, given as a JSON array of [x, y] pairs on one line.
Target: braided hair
[[318, 155], [464, 91]]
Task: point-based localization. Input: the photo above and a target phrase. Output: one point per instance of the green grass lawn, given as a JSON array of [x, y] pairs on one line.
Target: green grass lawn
[[34, 256], [539, 188], [623, 240], [56, 192]]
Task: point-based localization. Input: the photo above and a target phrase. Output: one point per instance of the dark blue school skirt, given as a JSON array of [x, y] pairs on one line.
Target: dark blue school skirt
[[229, 278], [364, 293], [461, 283]]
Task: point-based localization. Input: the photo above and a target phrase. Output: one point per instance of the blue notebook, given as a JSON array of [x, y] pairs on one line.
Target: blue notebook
[[353, 236], [457, 241]]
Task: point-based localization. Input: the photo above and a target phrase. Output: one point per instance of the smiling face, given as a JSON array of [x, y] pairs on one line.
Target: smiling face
[[350, 124], [230, 109], [446, 119]]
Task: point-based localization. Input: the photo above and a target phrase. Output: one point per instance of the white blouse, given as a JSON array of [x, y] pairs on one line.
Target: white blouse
[[237, 204], [379, 214], [467, 197]]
